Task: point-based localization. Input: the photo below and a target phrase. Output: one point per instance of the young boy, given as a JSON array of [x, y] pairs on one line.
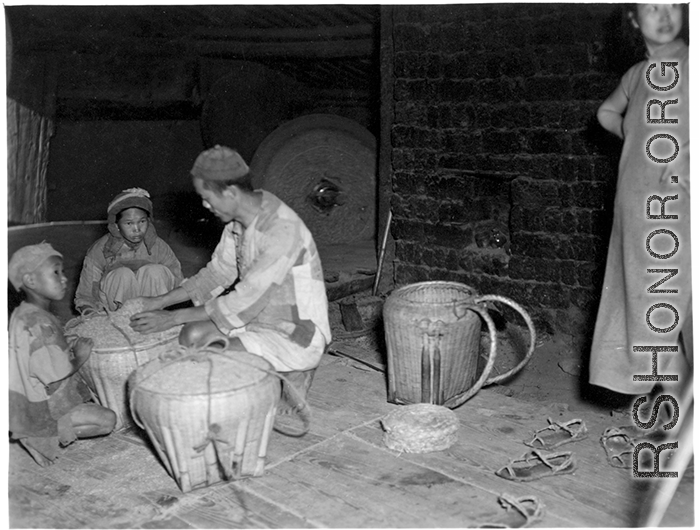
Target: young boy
[[48, 406]]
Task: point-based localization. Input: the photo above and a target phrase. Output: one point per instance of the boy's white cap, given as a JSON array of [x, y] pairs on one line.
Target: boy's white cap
[[27, 259]]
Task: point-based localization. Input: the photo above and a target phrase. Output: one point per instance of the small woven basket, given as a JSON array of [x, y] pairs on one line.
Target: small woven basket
[[209, 414], [420, 428], [113, 360]]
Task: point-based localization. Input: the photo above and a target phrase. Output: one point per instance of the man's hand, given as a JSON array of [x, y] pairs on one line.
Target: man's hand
[[151, 303], [153, 321]]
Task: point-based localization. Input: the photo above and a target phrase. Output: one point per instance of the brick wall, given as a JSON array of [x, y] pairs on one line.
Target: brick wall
[[494, 128]]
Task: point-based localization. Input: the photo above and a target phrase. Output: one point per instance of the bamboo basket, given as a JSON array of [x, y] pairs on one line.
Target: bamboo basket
[[432, 332], [209, 414], [108, 368]]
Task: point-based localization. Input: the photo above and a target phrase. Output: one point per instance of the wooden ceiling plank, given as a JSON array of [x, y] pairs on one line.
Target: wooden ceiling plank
[[311, 49], [356, 31]]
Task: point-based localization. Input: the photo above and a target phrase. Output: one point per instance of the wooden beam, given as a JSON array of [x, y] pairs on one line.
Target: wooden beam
[[315, 49], [80, 109], [326, 33], [322, 42]]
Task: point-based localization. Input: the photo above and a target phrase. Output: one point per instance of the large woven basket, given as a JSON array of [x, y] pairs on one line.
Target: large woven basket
[[209, 414], [433, 331], [108, 368], [426, 340]]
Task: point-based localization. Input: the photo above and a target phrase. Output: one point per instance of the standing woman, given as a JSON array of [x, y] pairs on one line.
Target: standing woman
[[128, 262], [631, 271]]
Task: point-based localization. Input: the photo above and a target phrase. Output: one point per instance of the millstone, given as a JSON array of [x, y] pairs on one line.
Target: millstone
[[324, 167]]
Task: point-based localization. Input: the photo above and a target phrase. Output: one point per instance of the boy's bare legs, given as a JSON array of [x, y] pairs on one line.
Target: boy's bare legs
[[83, 421]]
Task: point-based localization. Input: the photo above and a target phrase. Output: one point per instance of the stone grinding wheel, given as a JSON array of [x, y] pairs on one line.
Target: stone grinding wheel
[[324, 167]]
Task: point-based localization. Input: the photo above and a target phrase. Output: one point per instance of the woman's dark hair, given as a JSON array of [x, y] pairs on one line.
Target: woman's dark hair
[[624, 44], [119, 215]]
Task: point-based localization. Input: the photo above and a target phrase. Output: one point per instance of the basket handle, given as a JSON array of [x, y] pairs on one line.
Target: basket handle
[[531, 328], [457, 400]]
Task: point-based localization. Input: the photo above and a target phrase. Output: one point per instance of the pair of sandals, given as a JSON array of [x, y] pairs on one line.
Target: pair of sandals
[[620, 442], [519, 512], [535, 464]]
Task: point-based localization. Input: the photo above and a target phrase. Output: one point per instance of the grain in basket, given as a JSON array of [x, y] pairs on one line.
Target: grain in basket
[[112, 329]]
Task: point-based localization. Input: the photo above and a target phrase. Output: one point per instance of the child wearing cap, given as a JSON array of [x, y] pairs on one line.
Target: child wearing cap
[[277, 307], [128, 262], [48, 399]]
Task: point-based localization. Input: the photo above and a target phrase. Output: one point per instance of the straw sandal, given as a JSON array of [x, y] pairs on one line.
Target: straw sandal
[[556, 434], [619, 447], [535, 465], [520, 512]]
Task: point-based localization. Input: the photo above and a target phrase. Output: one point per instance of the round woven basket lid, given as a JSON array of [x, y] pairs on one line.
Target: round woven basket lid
[[420, 428], [324, 167], [206, 374]]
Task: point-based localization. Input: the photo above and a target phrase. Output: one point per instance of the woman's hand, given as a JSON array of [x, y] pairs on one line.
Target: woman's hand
[[611, 112], [153, 321]]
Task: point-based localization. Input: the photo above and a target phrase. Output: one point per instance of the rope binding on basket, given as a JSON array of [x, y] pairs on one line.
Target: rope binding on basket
[[126, 336]]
